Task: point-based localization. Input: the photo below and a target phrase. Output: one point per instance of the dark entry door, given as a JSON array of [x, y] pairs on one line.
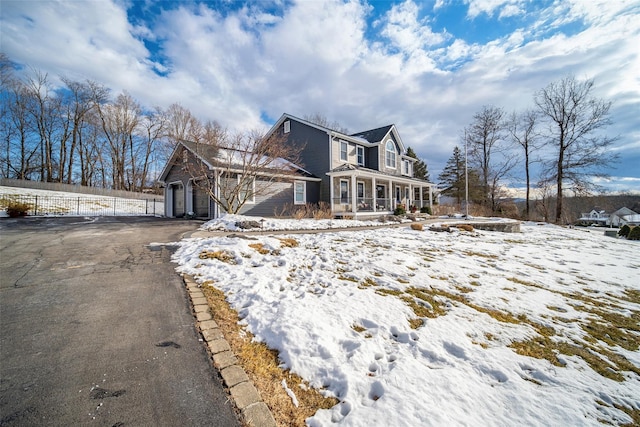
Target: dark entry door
[[178, 200]]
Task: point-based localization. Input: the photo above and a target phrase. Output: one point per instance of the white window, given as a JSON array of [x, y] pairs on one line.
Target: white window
[[390, 154], [299, 193], [360, 190], [248, 190], [343, 150], [287, 126], [360, 155], [344, 191], [406, 167]]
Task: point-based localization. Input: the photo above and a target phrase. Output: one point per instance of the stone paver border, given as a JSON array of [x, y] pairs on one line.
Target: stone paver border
[[243, 393]]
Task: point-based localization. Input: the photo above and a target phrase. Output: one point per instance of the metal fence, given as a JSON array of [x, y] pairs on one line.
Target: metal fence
[[84, 206]]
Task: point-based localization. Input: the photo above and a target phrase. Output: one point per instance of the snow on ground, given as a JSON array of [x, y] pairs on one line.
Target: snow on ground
[[338, 309], [60, 203]]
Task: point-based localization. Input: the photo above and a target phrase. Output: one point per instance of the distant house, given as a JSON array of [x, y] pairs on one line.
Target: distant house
[[363, 174], [620, 217], [184, 174], [595, 217]]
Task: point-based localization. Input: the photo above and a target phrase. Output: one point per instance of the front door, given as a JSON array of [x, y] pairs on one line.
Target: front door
[[178, 201]]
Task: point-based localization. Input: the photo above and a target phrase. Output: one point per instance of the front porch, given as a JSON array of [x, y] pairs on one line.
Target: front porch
[[361, 193]]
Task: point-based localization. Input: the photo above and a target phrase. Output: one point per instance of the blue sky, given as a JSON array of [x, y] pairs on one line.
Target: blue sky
[[425, 66]]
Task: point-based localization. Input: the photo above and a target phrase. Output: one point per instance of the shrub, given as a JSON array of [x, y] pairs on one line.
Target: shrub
[[634, 234], [399, 210], [465, 227], [425, 209], [15, 209], [416, 226], [624, 231]]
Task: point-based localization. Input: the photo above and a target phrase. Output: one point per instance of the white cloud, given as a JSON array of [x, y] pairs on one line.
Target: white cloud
[[505, 8], [313, 56]]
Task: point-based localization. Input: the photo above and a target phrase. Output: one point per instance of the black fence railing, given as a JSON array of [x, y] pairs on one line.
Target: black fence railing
[[80, 206]]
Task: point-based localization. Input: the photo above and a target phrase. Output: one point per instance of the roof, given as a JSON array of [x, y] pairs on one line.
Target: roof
[[373, 135], [348, 167], [219, 157]]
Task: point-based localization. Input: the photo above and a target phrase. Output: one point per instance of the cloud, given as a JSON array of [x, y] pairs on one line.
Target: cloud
[[338, 58]]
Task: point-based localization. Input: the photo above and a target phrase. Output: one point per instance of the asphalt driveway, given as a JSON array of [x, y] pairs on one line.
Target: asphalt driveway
[[96, 328]]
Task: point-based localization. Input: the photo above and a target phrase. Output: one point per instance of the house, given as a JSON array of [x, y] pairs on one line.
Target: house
[[364, 174], [620, 217], [195, 171], [597, 216]]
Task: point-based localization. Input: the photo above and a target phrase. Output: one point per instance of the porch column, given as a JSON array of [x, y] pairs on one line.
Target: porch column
[[421, 198], [411, 196], [392, 196], [331, 193], [353, 194], [430, 200], [374, 194]]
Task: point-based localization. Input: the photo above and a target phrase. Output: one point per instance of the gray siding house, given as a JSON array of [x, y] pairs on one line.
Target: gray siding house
[[194, 170], [364, 174]]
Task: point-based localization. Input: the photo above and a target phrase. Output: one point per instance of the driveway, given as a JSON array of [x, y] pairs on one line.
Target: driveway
[[96, 327]]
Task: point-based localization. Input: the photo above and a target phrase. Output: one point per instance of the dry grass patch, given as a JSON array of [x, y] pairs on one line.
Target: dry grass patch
[[262, 366], [416, 226], [259, 247], [288, 242], [222, 256]]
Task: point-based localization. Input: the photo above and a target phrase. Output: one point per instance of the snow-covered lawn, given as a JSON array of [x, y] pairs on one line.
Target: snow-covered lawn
[[60, 203], [417, 328]]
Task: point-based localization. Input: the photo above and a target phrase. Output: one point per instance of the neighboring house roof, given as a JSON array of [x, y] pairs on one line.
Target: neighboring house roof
[[218, 157], [632, 219], [624, 211]]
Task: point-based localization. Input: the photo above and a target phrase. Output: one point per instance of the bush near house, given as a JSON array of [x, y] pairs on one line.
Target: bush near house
[[634, 234], [425, 209], [399, 210]]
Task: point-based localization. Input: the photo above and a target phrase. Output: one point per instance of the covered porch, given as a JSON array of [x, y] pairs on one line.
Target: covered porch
[[358, 192]]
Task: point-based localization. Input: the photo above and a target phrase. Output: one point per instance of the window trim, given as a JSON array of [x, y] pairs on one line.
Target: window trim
[[295, 193], [406, 167], [345, 199], [360, 155], [390, 154], [252, 199], [345, 145], [359, 185]]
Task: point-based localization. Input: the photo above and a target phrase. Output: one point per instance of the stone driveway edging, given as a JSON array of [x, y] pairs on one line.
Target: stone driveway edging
[[244, 394]]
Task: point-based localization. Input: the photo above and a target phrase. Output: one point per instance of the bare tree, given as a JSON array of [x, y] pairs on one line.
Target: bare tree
[[575, 118], [485, 138], [322, 120], [241, 167], [181, 125], [522, 131]]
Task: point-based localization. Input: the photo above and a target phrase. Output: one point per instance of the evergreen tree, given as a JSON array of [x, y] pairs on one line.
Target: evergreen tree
[[452, 176], [420, 167], [452, 179]]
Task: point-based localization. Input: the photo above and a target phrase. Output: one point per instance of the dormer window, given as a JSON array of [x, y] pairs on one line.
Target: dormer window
[[406, 167], [390, 154]]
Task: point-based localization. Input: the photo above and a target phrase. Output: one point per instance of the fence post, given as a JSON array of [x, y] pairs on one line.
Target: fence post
[[114, 206], [35, 208], [78, 207]]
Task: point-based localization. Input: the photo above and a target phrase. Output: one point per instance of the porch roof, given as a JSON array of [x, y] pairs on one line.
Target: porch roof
[[359, 171]]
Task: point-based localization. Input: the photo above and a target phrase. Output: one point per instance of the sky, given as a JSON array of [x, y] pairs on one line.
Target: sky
[[426, 67], [338, 307]]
